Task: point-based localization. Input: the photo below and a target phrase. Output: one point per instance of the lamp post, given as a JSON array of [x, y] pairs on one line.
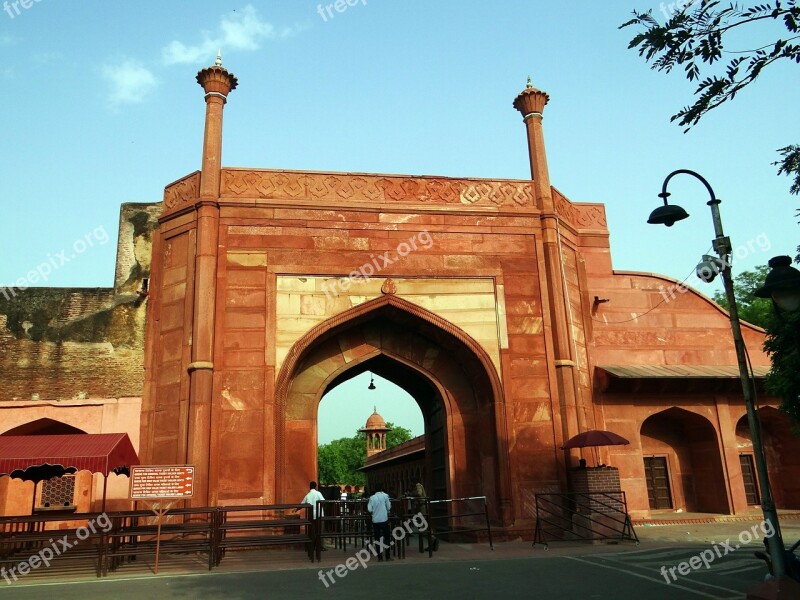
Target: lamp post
[[782, 285], [668, 215]]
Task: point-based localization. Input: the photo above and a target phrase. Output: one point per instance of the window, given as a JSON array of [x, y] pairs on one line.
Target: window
[[59, 491]]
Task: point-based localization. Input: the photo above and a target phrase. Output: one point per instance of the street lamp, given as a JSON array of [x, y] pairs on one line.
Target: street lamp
[[782, 285], [668, 215]]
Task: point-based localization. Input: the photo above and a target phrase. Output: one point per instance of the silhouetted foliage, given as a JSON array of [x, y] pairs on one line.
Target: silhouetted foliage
[[783, 347], [694, 37]]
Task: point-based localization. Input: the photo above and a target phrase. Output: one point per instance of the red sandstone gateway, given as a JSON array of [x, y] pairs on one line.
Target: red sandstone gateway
[[493, 303], [255, 313]]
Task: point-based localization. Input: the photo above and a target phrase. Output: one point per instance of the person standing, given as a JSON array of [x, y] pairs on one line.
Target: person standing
[[312, 497], [379, 506], [421, 506]]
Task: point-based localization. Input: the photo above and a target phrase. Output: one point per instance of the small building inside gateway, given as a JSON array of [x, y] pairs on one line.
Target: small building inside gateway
[[247, 294]]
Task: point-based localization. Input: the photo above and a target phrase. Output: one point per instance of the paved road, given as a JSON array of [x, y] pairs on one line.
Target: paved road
[[631, 574]]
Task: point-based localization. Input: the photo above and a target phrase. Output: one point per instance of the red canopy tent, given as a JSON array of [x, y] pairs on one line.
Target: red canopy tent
[[40, 457]]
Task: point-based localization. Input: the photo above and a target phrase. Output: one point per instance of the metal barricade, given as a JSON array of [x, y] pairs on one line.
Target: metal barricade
[[583, 516], [348, 524], [457, 520]]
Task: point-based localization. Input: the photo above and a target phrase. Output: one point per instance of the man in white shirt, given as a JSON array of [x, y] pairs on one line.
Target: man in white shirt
[[312, 497], [379, 506]]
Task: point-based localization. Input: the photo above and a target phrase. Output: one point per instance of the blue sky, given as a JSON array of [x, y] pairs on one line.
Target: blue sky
[[101, 107]]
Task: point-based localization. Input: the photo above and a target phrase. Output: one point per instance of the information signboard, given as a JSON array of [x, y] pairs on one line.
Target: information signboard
[[162, 482]]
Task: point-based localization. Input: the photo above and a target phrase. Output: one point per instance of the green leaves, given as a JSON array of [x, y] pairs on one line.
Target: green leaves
[[790, 164], [752, 309], [338, 461], [694, 38], [783, 346]]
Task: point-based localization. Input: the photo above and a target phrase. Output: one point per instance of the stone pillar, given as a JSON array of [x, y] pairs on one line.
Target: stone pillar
[[530, 103], [217, 83]]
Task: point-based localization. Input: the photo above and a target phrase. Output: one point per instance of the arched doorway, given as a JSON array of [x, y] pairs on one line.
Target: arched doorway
[[782, 449], [23, 496], [683, 466], [43, 427], [449, 375]]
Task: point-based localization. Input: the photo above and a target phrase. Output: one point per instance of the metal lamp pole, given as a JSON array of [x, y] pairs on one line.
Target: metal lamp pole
[[667, 215]]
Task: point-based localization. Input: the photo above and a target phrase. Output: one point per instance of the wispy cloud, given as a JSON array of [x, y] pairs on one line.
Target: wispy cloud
[[244, 30], [7, 40], [130, 82]]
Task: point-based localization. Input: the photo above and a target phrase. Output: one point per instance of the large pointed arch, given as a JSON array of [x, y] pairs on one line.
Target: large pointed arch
[[410, 338], [327, 328]]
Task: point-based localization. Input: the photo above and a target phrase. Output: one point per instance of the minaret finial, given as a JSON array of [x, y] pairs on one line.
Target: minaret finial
[[530, 83], [218, 62]]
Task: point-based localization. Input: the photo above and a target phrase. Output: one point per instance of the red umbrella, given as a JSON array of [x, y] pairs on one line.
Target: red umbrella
[[595, 437]]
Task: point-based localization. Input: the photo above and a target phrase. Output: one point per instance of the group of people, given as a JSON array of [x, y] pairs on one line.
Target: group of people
[[379, 506]]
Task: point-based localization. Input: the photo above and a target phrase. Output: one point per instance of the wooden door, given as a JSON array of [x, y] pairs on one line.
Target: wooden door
[[657, 477], [749, 479]]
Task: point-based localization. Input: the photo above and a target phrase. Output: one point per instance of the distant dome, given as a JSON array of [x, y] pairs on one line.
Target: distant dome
[[375, 421]]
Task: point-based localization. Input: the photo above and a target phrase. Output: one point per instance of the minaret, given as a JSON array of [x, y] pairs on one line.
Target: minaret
[[376, 431], [530, 103], [217, 83]]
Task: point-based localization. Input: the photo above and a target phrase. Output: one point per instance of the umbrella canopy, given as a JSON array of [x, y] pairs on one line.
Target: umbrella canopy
[[41, 457], [595, 437], [43, 472]]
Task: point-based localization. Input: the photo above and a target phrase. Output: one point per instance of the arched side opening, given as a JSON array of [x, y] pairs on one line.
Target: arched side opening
[[43, 427], [66, 490], [682, 463], [782, 449], [443, 369]]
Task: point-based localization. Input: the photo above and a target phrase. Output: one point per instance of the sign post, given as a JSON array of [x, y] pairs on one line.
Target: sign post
[[154, 484]]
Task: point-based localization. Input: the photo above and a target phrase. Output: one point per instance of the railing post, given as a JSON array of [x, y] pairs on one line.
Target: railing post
[[488, 525]]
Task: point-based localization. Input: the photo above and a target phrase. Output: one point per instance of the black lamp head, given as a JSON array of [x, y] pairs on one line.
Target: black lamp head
[[668, 214], [782, 284]]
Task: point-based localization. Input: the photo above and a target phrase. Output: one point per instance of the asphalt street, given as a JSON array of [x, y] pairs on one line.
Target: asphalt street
[[632, 573]]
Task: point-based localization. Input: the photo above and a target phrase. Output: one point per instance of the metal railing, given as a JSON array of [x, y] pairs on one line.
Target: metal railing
[[583, 516], [348, 523], [128, 535], [459, 519]]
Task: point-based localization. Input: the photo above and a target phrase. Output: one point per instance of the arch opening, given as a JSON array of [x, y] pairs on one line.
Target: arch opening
[[43, 427], [782, 450], [683, 464], [349, 419], [439, 368]]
